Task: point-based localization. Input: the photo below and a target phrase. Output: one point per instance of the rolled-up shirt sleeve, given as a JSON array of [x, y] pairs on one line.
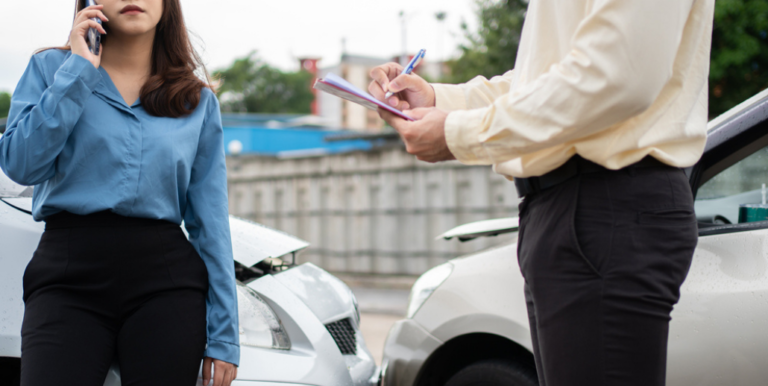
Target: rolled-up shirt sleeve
[[207, 221], [621, 57], [42, 116]]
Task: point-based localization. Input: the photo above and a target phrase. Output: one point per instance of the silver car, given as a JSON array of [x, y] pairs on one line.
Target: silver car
[[469, 316], [299, 325]]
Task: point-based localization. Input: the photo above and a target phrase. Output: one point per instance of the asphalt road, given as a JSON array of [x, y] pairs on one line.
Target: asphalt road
[[375, 328], [382, 301], [379, 310]]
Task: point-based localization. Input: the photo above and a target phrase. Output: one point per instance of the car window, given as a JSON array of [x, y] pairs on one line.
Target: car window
[[718, 200]]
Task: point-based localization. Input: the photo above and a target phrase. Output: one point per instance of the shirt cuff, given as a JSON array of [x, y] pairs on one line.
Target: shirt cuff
[[449, 97], [223, 351], [462, 132], [79, 67]]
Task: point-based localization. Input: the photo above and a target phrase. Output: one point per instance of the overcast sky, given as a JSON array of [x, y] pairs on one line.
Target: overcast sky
[[280, 30]]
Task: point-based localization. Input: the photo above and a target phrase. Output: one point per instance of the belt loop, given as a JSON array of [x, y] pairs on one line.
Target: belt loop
[[535, 185], [576, 164]]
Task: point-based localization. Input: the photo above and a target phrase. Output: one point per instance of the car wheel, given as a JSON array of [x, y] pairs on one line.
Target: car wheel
[[494, 373]]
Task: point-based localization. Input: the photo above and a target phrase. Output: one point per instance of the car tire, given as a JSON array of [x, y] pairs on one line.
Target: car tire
[[494, 373]]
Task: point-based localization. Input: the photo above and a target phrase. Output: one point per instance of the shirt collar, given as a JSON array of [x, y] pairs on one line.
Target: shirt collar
[[107, 90]]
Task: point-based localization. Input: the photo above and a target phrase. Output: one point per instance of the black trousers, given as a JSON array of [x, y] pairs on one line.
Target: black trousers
[[102, 287], [603, 256]]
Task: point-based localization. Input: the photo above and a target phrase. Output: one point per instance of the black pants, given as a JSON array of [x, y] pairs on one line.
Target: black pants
[[103, 287], [604, 255]]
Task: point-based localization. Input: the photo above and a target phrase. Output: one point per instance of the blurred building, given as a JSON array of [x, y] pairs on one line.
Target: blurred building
[[342, 113]]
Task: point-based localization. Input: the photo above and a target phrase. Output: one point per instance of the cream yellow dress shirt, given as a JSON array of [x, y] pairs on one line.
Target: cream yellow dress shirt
[[610, 80]]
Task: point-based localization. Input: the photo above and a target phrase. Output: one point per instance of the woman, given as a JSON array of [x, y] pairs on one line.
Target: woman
[[121, 148]]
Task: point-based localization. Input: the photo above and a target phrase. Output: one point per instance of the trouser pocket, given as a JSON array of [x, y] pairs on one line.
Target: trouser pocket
[[547, 246], [592, 223], [186, 267], [49, 262]]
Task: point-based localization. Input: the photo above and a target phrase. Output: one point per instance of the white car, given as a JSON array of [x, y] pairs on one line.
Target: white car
[[469, 316], [299, 325]]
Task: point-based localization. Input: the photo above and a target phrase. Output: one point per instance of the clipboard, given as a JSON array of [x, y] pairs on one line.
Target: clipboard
[[338, 86]]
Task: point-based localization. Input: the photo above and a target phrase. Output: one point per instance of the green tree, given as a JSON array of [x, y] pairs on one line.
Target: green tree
[[250, 85], [739, 61], [492, 49], [5, 104], [738, 66]]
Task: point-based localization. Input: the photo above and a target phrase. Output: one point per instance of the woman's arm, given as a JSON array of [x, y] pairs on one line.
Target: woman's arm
[[42, 117], [207, 221]]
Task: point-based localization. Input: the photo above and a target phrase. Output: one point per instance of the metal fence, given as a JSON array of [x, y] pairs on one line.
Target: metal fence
[[375, 212]]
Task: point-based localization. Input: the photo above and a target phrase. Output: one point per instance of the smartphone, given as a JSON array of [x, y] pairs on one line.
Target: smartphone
[[93, 37]]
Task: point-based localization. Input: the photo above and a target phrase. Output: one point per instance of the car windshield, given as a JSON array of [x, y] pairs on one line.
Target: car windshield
[[9, 188], [739, 184]]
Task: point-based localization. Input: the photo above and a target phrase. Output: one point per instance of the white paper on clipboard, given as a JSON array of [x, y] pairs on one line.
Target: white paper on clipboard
[[336, 85]]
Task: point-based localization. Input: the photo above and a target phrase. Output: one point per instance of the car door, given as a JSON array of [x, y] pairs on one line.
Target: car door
[[718, 333]]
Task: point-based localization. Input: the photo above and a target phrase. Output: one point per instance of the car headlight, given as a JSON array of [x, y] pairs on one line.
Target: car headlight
[[259, 326], [426, 285], [357, 308]]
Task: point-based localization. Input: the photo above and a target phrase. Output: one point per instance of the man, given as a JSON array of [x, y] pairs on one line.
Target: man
[[607, 101]]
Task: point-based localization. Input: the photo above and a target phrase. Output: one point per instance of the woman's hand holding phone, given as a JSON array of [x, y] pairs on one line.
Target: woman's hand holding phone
[[80, 29]]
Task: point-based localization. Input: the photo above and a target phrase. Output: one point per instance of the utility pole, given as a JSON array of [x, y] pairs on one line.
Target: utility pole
[[404, 24], [440, 16]]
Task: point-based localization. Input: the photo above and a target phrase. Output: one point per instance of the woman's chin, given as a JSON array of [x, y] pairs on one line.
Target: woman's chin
[[131, 29]]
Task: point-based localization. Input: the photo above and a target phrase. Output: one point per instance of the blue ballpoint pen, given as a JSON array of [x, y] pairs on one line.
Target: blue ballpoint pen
[[409, 68]]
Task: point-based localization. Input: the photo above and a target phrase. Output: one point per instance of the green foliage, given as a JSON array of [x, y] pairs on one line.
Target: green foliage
[[250, 85], [739, 61], [492, 49], [5, 104]]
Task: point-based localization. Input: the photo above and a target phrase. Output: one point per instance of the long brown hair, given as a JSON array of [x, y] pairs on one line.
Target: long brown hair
[[173, 88]]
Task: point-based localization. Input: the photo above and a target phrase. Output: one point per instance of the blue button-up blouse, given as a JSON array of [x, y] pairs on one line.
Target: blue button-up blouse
[[71, 134]]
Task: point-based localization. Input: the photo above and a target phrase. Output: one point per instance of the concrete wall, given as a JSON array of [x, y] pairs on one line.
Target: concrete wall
[[370, 212]]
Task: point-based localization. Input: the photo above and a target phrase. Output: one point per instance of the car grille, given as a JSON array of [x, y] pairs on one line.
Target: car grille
[[344, 335]]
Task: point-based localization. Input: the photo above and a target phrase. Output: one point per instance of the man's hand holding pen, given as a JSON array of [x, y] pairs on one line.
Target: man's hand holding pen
[[424, 137]]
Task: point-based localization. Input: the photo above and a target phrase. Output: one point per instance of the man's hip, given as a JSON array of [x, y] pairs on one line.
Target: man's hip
[[604, 254], [593, 215]]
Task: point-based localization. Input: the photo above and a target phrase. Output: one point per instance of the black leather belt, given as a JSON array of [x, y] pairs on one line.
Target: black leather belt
[[573, 167]]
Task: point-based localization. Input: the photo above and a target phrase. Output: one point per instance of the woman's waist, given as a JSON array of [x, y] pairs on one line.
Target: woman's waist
[[101, 219], [85, 192]]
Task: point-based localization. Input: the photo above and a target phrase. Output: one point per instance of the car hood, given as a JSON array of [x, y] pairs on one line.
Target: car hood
[[8, 188], [23, 204], [251, 242], [483, 228]]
